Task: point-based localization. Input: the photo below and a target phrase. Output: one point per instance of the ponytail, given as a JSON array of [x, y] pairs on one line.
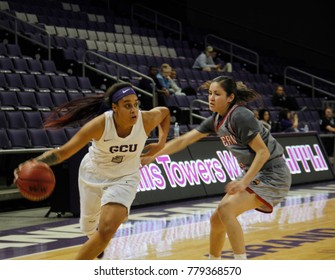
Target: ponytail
[[83, 109]]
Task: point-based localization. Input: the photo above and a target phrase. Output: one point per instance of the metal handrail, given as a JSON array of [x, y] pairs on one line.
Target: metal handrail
[[157, 16], [232, 50], [17, 33], [312, 85], [192, 114], [86, 64]]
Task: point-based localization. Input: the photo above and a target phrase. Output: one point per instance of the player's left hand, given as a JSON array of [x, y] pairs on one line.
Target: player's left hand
[[234, 187], [151, 149]]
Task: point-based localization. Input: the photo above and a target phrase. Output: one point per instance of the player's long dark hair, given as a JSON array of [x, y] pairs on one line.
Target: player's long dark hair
[[83, 109], [243, 94]]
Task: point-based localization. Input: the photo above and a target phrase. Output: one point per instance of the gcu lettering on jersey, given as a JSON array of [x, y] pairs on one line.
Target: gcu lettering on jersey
[[228, 140], [123, 148]]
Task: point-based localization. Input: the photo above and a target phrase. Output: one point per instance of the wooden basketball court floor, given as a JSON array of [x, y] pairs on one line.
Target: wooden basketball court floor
[[302, 227]]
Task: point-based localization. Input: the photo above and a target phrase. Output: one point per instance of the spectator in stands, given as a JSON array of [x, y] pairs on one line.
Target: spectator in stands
[[264, 118], [288, 120], [109, 174], [145, 84], [266, 178], [280, 99], [169, 85], [327, 126], [205, 62]]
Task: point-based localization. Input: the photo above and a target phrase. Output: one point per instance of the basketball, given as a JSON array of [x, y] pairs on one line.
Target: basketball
[[35, 181]]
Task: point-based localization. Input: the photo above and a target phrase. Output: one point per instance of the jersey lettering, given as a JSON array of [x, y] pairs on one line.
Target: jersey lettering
[[123, 148], [228, 140]]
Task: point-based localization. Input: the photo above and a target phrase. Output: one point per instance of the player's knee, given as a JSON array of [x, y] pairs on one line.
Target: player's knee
[[224, 211], [215, 221], [88, 225]]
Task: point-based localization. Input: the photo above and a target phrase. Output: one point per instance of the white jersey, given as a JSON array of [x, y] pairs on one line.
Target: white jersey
[[114, 157]]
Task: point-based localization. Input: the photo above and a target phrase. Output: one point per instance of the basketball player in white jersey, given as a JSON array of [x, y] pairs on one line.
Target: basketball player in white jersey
[[265, 180], [109, 172]]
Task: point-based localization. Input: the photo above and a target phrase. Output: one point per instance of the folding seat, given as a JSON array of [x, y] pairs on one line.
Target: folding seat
[[21, 66], [82, 34], [28, 99], [71, 131], [150, 60], [15, 119], [33, 119], [6, 65], [14, 82], [35, 66], [44, 83], [138, 49], [19, 138], [315, 126], [111, 69], [315, 115], [81, 44], [101, 18], [70, 42], [74, 95], [79, 53], [50, 29], [58, 84], [72, 32], [61, 31], [29, 82], [59, 98], [119, 38], [4, 140], [309, 103], [101, 45], [120, 48], [110, 37], [91, 45], [49, 68], [57, 137], [132, 60], [92, 35], [14, 51], [111, 47], [189, 74], [10, 100], [301, 102], [122, 58], [44, 100], [85, 85], [101, 36], [128, 39], [153, 41], [147, 50], [172, 52], [164, 51], [38, 137], [129, 48], [92, 58]]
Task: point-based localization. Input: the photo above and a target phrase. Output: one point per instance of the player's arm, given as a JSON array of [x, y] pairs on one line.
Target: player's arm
[[156, 117], [177, 144], [262, 155], [91, 130]]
